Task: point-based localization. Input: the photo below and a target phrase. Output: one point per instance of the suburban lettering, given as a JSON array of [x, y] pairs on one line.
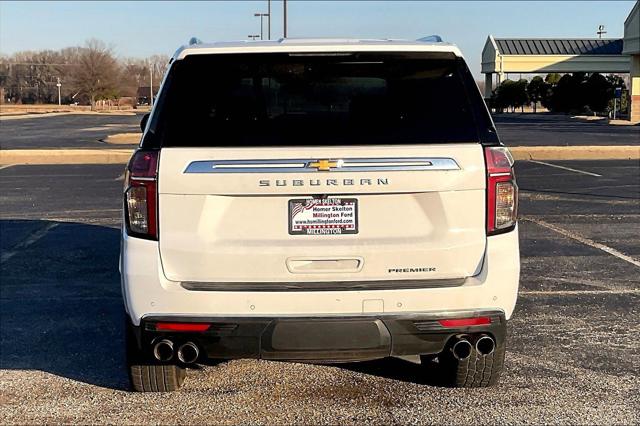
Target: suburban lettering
[[327, 182]]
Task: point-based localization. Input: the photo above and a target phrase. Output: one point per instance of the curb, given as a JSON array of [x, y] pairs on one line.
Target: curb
[[65, 156], [121, 156], [587, 152], [6, 116], [123, 139]]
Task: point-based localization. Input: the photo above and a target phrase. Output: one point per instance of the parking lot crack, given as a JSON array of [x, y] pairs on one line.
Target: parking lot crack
[[31, 239]]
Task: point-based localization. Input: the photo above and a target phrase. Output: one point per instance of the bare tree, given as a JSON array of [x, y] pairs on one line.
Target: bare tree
[[97, 71], [86, 73], [158, 64], [134, 73]]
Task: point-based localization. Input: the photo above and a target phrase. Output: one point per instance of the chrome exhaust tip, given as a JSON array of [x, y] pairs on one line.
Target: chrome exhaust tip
[[163, 350], [462, 349], [188, 353], [485, 345]]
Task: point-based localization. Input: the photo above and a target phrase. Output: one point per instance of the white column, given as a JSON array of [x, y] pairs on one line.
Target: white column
[[488, 85]]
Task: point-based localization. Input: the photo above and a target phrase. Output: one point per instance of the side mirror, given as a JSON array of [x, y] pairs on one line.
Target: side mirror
[[143, 122]]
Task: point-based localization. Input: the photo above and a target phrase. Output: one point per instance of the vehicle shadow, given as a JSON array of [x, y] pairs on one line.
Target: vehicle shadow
[[428, 373], [61, 309]]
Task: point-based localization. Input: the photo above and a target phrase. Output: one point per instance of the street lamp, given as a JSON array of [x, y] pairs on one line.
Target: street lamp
[[151, 84], [262, 15], [59, 97], [600, 31], [284, 10], [253, 36]]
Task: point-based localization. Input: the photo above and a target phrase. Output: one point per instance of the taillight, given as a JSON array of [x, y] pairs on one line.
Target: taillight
[[502, 191], [464, 322], [182, 326], [140, 196]]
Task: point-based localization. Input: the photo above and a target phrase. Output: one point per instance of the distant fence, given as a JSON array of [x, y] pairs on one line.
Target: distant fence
[[115, 105]]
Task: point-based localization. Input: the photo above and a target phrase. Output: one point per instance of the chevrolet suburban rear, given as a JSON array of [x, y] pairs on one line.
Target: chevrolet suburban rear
[[319, 201]]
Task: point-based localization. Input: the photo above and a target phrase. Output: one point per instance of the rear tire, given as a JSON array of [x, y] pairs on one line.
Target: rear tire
[[148, 375], [477, 371], [156, 377]]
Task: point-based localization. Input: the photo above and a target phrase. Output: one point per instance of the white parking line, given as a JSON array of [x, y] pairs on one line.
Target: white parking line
[[28, 241], [584, 240], [565, 168], [6, 166], [576, 292]]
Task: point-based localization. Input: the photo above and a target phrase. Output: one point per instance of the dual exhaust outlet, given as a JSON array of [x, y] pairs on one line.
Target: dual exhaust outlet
[[187, 353], [463, 348]]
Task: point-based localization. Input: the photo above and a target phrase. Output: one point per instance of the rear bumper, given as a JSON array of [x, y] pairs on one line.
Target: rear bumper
[[320, 339], [148, 293]]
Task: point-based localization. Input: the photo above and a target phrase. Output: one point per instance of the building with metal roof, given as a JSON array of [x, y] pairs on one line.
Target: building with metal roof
[[558, 46], [547, 55], [501, 56]]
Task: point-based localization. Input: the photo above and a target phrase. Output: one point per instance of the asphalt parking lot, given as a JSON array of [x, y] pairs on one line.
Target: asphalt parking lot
[[88, 131], [572, 349], [561, 130], [65, 131]]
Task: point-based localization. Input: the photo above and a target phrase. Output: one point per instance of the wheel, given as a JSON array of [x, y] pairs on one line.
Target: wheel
[[476, 371], [147, 375], [156, 377]]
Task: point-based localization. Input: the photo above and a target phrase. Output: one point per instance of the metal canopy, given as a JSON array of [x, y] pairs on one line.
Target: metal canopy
[[544, 55], [549, 46]]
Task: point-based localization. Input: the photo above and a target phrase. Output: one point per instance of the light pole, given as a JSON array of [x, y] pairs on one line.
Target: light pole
[[59, 97], [284, 7], [151, 85], [269, 20], [261, 15], [600, 31]]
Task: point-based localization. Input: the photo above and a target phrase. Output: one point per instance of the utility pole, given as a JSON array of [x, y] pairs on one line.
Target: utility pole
[[151, 84], [59, 97], [269, 21], [600, 31], [284, 4], [261, 15]]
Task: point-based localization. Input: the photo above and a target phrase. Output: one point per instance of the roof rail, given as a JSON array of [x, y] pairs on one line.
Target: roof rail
[[194, 40], [431, 39]]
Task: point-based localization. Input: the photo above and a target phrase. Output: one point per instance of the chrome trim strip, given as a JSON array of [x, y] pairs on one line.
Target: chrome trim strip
[[418, 315], [341, 165], [323, 285]]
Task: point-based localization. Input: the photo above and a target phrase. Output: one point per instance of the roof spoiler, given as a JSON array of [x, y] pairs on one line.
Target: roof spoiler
[[431, 39]]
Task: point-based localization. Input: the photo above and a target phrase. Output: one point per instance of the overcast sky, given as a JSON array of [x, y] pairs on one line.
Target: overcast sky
[[145, 28]]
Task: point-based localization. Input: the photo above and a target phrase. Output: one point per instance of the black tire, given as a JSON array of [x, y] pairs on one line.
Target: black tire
[[156, 377], [147, 375], [477, 371]]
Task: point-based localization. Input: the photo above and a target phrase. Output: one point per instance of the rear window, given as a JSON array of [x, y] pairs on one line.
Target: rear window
[[317, 99]]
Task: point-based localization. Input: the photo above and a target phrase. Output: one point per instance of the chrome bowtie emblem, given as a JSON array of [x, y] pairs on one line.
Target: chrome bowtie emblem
[[324, 165]]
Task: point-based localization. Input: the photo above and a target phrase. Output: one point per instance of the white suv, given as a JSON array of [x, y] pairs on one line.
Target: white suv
[[319, 201]]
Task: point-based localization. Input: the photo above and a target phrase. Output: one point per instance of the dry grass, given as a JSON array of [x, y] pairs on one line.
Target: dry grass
[[6, 109], [10, 109], [123, 138]]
